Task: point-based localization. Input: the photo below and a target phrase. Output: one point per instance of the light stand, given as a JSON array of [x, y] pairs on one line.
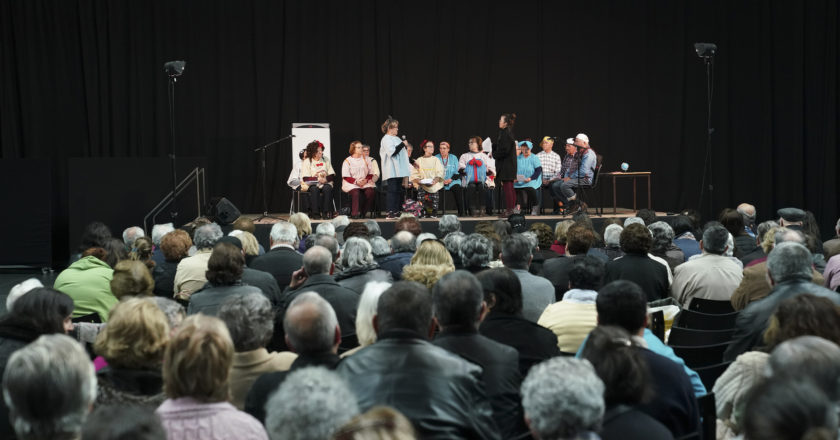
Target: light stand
[[263, 172], [706, 51], [173, 69]]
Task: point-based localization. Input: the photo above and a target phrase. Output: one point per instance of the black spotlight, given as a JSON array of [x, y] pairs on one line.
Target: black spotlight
[[705, 50], [174, 68]]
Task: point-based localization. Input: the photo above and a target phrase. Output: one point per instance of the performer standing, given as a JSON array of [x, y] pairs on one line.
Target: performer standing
[[357, 179], [452, 180], [317, 174], [504, 151], [394, 164]]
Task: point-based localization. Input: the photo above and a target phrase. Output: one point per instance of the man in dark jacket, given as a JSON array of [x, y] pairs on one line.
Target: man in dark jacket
[[789, 270], [459, 305], [440, 392], [637, 266], [316, 276], [283, 258], [313, 333], [579, 239], [402, 248]]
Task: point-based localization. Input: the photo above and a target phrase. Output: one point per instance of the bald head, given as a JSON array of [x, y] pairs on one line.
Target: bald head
[[318, 260], [746, 209], [311, 325]]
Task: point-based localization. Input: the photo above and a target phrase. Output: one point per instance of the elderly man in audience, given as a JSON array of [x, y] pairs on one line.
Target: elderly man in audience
[[759, 255], [402, 364], [459, 307], [711, 275], [574, 317], [789, 271], [49, 386], [190, 275], [748, 213], [563, 398], [250, 321], [791, 218], [312, 403], [282, 259], [832, 247], [754, 284], [316, 275], [537, 292], [789, 408], [579, 239], [158, 231], [224, 280], [130, 234], [402, 249], [311, 331]]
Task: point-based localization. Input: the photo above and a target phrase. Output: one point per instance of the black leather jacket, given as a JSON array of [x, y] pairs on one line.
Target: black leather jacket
[[440, 392]]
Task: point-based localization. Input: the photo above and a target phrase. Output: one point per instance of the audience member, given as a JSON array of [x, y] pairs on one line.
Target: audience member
[[429, 264], [130, 234], [711, 275], [475, 253], [459, 307], [452, 241], [808, 357], [95, 235], [403, 363], [803, 315], [579, 238], [402, 249], [253, 277], [131, 278], [612, 241], [21, 289], [196, 404], [536, 291], [174, 246], [379, 422], [733, 221], [572, 318], [748, 214], [49, 387], [191, 273], [282, 258], [158, 232], [133, 344], [563, 398], [732, 389], [380, 247], [358, 265], [408, 223], [832, 247], [373, 228], [789, 410], [224, 280], [791, 218], [758, 254], [355, 229], [311, 331], [250, 321], [88, 283], [684, 237], [141, 251], [560, 229], [303, 227], [135, 423], [249, 243], [663, 244], [449, 223], [636, 265]]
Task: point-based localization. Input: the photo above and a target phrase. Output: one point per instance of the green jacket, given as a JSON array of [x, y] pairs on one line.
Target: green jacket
[[88, 282]]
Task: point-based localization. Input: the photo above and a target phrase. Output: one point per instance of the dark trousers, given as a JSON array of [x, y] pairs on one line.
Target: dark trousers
[[320, 199], [394, 195], [523, 195], [355, 194], [510, 195], [475, 195], [458, 193]]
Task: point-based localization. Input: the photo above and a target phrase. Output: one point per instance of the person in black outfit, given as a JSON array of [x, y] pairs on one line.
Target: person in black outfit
[[174, 246], [458, 300], [282, 259], [579, 238], [504, 323], [504, 152], [636, 266], [627, 381], [306, 325]]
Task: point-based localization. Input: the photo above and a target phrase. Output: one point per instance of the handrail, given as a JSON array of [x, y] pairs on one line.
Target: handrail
[[197, 175]]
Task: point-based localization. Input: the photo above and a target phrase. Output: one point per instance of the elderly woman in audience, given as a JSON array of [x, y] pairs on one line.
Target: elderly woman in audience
[[373, 228], [175, 246], [452, 241], [476, 253], [174, 312], [612, 247], [304, 227], [249, 244], [224, 279], [429, 264], [379, 422], [359, 266], [88, 283], [560, 229], [545, 237], [250, 321], [368, 302], [448, 224], [789, 409], [196, 405], [191, 274], [624, 371], [636, 266], [663, 244], [380, 247], [132, 343], [131, 278]]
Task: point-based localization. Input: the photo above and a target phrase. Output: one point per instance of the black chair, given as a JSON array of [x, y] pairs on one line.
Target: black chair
[[585, 191], [702, 355], [657, 324], [687, 337], [711, 306], [705, 321], [90, 318], [708, 414], [708, 375]]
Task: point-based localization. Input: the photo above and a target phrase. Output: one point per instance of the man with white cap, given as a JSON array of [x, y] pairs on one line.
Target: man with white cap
[[576, 176]]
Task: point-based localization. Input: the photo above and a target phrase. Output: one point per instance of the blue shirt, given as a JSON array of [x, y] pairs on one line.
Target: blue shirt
[[529, 167], [450, 168], [393, 165]]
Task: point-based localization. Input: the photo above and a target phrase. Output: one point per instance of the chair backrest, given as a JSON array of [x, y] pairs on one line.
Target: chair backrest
[[657, 324], [692, 338], [708, 414], [705, 321], [711, 306], [595, 176], [90, 317], [702, 355], [710, 374]]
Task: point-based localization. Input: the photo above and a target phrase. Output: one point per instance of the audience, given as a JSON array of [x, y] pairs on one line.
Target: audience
[[579, 239], [429, 264], [790, 409], [158, 232], [224, 280], [402, 249], [475, 253], [191, 273], [663, 244], [537, 292], [379, 422], [131, 278], [710, 275], [358, 265], [174, 246], [365, 313], [88, 283], [637, 266], [452, 241], [282, 259]]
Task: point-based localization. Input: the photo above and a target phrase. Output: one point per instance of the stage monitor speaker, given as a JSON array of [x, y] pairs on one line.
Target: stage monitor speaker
[[223, 211]]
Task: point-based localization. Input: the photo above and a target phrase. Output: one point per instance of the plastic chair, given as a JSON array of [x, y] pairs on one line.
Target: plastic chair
[[708, 375], [585, 191], [710, 306], [693, 338], [705, 321], [701, 356], [708, 414]]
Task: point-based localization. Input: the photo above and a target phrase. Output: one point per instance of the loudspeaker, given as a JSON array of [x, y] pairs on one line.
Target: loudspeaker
[[223, 211]]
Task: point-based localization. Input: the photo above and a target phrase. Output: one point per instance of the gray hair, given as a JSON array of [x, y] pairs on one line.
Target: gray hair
[[630, 220], [373, 228], [249, 319], [174, 311], [317, 260], [810, 357], [453, 241], [788, 261], [423, 237], [49, 386], [788, 235], [312, 334], [132, 233], [716, 239], [743, 210], [325, 228], [516, 251], [357, 253], [763, 227], [283, 232], [612, 235], [448, 224], [663, 235], [457, 299], [379, 245], [533, 239], [206, 236], [403, 241], [341, 220], [366, 311], [476, 251], [563, 397], [158, 231], [312, 403], [20, 289], [329, 242]]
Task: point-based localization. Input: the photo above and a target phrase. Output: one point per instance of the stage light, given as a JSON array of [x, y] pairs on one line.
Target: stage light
[[174, 68], [705, 50]]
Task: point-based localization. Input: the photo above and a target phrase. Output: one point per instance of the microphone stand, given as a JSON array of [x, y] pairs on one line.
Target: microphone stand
[[263, 169], [173, 213], [709, 61]]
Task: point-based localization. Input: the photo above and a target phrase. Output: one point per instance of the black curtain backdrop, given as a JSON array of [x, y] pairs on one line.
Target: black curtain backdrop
[[84, 79]]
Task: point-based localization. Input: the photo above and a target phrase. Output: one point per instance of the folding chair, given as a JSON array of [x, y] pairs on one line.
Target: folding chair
[[585, 191], [711, 306], [692, 338], [708, 375], [701, 356], [705, 321]]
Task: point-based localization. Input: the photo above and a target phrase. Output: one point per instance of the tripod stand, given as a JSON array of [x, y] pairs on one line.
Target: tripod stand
[[262, 168]]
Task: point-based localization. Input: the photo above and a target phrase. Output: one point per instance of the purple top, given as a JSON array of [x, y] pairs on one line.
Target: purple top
[[187, 418]]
